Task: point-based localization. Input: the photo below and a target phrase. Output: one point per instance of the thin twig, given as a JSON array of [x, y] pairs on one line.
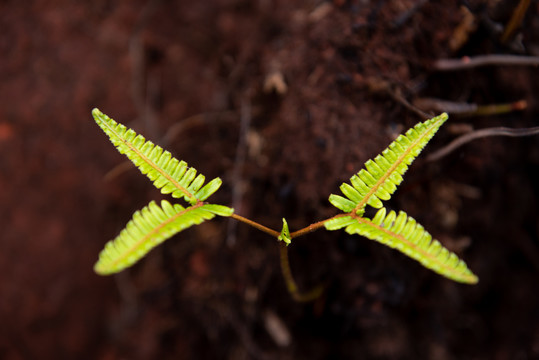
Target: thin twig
[[291, 283], [401, 99], [276, 234], [497, 131], [468, 109], [193, 121], [484, 60], [313, 227], [241, 151], [256, 225], [285, 265], [515, 21], [380, 86]]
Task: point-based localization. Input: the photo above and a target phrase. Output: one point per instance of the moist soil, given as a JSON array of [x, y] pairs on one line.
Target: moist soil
[[284, 101]]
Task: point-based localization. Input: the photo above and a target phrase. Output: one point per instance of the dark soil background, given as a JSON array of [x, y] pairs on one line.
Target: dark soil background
[[283, 100]]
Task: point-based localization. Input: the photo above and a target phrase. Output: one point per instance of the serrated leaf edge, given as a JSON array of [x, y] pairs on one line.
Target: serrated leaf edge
[[382, 188], [141, 234], [194, 192], [397, 231]]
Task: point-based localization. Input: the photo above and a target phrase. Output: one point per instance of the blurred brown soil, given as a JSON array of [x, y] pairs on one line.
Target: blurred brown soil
[[283, 100]]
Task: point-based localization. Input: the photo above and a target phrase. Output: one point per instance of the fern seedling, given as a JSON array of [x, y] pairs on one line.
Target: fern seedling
[[369, 187], [154, 224]]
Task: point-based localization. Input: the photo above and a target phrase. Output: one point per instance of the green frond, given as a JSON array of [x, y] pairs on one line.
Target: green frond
[[338, 222], [148, 228], [403, 233], [381, 176], [168, 174]]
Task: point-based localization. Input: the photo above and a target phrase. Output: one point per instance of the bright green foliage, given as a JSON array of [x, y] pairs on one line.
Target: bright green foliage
[[383, 174], [401, 232], [153, 224], [148, 228], [378, 182], [338, 222], [285, 234], [167, 173]]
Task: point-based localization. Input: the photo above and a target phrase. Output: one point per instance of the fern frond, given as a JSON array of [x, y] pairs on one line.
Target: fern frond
[[148, 228], [403, 233], [168, 174], [381, 176]]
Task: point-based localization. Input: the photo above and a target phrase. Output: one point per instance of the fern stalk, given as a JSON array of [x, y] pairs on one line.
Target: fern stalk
[[291, 285]]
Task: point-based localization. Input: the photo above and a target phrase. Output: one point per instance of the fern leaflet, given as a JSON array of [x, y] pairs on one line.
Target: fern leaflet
[[401, 232], [168, 174], [148, 228], [383, 174]]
